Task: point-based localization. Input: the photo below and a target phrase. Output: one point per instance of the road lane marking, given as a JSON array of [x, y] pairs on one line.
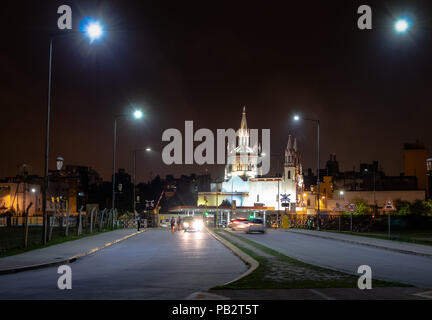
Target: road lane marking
[[322, 295]]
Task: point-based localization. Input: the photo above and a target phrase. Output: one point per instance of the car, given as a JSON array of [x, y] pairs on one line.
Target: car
[[192, 224], [238, 224], [255, 225], [164, 224]]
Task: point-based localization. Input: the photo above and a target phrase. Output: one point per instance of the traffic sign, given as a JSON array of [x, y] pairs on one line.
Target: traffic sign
[[389, 206], [352, 207], [285, 197]]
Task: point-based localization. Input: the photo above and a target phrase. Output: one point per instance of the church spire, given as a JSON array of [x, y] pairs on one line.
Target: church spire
[[243, 124], [289, 143], [295, 144]]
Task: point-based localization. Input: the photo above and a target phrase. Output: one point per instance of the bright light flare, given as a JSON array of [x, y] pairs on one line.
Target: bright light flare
[[296, 118], [198, 225], [138, 114], [94, 30], [401, 26]]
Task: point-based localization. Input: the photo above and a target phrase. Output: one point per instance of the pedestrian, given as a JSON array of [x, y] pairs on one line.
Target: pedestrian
[[138, 222], [172, 224], [178, 223]]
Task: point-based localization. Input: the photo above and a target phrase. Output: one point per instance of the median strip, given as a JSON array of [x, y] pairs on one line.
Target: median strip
[[251, 262], [277, 271]]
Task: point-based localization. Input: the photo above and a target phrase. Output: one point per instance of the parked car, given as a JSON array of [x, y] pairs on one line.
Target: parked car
[[255, 225], [238, 224]]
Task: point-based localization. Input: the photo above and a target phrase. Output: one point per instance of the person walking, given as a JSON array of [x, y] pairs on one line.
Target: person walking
[[139, 223], [178, 223], [172, 224]]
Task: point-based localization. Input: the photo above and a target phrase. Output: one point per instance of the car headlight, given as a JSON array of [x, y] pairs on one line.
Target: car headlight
[[198, 224]]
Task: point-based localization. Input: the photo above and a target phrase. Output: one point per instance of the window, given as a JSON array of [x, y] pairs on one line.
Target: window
[[308, 202], [289, 174]]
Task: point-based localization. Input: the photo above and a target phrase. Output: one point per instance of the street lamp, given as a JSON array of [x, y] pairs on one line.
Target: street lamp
[[59, 163], [137, 114], [94, 31], [134, 174], [401, 25], [298, 118]]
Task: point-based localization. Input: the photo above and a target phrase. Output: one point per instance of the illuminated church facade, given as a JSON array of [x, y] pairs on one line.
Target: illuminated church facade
[[245, 189]]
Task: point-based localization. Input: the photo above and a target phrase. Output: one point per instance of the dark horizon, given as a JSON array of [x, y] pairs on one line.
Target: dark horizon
[[204, 62]]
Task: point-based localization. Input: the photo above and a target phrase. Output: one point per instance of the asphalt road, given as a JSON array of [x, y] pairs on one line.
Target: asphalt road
[[386, 265], [153, 265]]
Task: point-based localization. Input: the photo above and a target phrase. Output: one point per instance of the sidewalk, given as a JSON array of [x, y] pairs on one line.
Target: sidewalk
[[403, 247], [64, 252]]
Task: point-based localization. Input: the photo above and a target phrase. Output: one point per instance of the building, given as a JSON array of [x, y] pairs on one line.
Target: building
[[244, 192], [414, 162], [369, 184]]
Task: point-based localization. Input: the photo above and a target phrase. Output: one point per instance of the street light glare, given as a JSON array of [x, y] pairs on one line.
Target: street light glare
[[94, 30], [296, 118], [138, 114], [401, 26], [148, 149]]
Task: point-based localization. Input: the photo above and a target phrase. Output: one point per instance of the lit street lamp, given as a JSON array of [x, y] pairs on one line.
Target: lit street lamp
[[93, 30], [137, 115], [59, 163], [401, 26], [297, 118], [134, 173]]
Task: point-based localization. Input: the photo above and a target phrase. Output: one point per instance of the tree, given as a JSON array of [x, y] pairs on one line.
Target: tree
[[362, 207], [402, 207]]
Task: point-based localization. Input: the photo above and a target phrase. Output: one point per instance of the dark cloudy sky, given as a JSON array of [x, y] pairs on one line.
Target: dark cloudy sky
[[204, 60]]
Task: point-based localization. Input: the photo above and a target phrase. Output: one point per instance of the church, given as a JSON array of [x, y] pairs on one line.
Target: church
[[244, 192]]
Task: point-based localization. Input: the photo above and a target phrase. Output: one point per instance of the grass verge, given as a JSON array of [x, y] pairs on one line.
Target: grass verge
[[313, 276]]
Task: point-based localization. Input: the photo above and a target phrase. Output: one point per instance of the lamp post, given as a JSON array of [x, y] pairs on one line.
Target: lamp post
[[134, 175], [297, 118], [137, 114], [93, 30], [374, 188], [429, 173]]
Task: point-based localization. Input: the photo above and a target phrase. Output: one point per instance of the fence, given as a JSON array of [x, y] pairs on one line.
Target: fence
[[12, 229], [365, 223]]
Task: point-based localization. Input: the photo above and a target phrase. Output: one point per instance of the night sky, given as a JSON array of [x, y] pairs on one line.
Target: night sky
[[205, 60]]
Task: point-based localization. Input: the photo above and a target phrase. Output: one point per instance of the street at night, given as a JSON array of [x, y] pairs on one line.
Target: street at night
[[207, 159], [155, 264]]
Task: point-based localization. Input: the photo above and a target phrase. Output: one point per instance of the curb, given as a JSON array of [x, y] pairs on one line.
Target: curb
[[364, 244], [251, 262], [202, 295], [68, 260]]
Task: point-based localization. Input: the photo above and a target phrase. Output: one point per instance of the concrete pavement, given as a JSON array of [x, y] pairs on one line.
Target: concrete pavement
[[399, 246], [155, 264], [378, 293], [64, 252], [344, 256]]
